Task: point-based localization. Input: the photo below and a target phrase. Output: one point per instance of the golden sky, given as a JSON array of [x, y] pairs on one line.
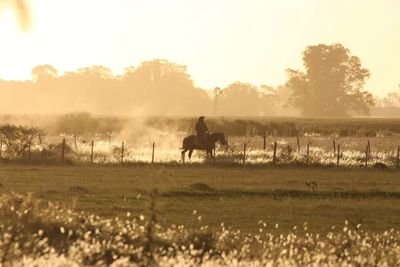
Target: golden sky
[[220, 41]]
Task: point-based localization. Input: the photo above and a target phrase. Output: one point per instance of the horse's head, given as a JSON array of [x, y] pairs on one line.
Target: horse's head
[[220, 137]]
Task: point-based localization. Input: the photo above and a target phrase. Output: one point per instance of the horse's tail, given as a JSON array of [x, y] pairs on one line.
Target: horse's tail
[[183, 143]]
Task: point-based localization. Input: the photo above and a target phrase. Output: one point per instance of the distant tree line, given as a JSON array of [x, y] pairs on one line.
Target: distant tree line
[[331, 85], [156, 87]]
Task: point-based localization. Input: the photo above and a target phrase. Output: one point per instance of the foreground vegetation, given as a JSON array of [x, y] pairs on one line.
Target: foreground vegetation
[[198, 214], [34, 233]]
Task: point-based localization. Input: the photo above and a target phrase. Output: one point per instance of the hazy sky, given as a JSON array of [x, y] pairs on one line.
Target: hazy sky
[[220, 41]]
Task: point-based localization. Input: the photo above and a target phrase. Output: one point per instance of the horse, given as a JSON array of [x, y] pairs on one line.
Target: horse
[[190, 143]]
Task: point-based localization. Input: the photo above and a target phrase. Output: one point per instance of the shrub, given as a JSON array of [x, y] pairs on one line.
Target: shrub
[[18, 139]]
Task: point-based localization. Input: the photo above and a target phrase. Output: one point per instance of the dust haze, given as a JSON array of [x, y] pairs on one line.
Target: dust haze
[[160, 87]]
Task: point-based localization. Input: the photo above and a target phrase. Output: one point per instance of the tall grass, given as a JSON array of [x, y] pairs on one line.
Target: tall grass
[[34, 233]]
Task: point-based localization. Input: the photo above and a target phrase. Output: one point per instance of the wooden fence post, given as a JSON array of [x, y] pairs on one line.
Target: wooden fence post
[[298, 144], [244, 153], [308, 153], [227, 146], [63, 150], [338, 154], [366, 155], [265, 142], [152, 153], [398, 156], [1, 148], [122, 152], [334, 146], [274, 156], [40, 139], [91, 152]]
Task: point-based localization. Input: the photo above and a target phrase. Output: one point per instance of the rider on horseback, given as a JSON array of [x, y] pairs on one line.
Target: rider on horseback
[[201, 130], [203, 140]]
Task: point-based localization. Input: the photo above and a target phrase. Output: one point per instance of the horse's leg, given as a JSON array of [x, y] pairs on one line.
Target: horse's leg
[[183, 154], [190, 153], [213, 154]]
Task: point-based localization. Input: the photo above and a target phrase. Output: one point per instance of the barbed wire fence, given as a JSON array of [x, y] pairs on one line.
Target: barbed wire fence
[[253, 150]]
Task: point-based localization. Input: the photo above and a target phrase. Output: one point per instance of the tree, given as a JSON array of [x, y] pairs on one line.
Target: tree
[[18, 139], [241, 99], [95, 72], [90, 88], [43, 73], [332, 85], [392, 99], [153, 82]]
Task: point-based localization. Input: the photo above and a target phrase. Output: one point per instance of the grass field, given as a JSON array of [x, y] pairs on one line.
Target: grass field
[[238, 196]]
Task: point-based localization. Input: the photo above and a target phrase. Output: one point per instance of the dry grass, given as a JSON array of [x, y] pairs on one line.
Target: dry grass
[[239, 196]]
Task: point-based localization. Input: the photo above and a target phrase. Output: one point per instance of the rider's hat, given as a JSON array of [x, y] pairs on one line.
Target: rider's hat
[[201, 118]]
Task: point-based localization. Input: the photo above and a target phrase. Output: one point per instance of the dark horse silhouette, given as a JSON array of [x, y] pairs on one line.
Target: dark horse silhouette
[[190, 143]]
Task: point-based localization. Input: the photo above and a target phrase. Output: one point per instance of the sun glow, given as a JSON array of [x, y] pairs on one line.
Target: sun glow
[[11, 41], [220, 41]]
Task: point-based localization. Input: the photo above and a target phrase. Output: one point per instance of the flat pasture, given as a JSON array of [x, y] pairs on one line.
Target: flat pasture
[[207, 194]]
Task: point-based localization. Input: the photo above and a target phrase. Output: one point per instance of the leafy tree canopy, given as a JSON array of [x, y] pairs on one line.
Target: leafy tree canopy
[[332, 84]]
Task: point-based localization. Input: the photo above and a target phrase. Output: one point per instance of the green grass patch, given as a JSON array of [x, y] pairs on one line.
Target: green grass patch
[[237, 196]]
